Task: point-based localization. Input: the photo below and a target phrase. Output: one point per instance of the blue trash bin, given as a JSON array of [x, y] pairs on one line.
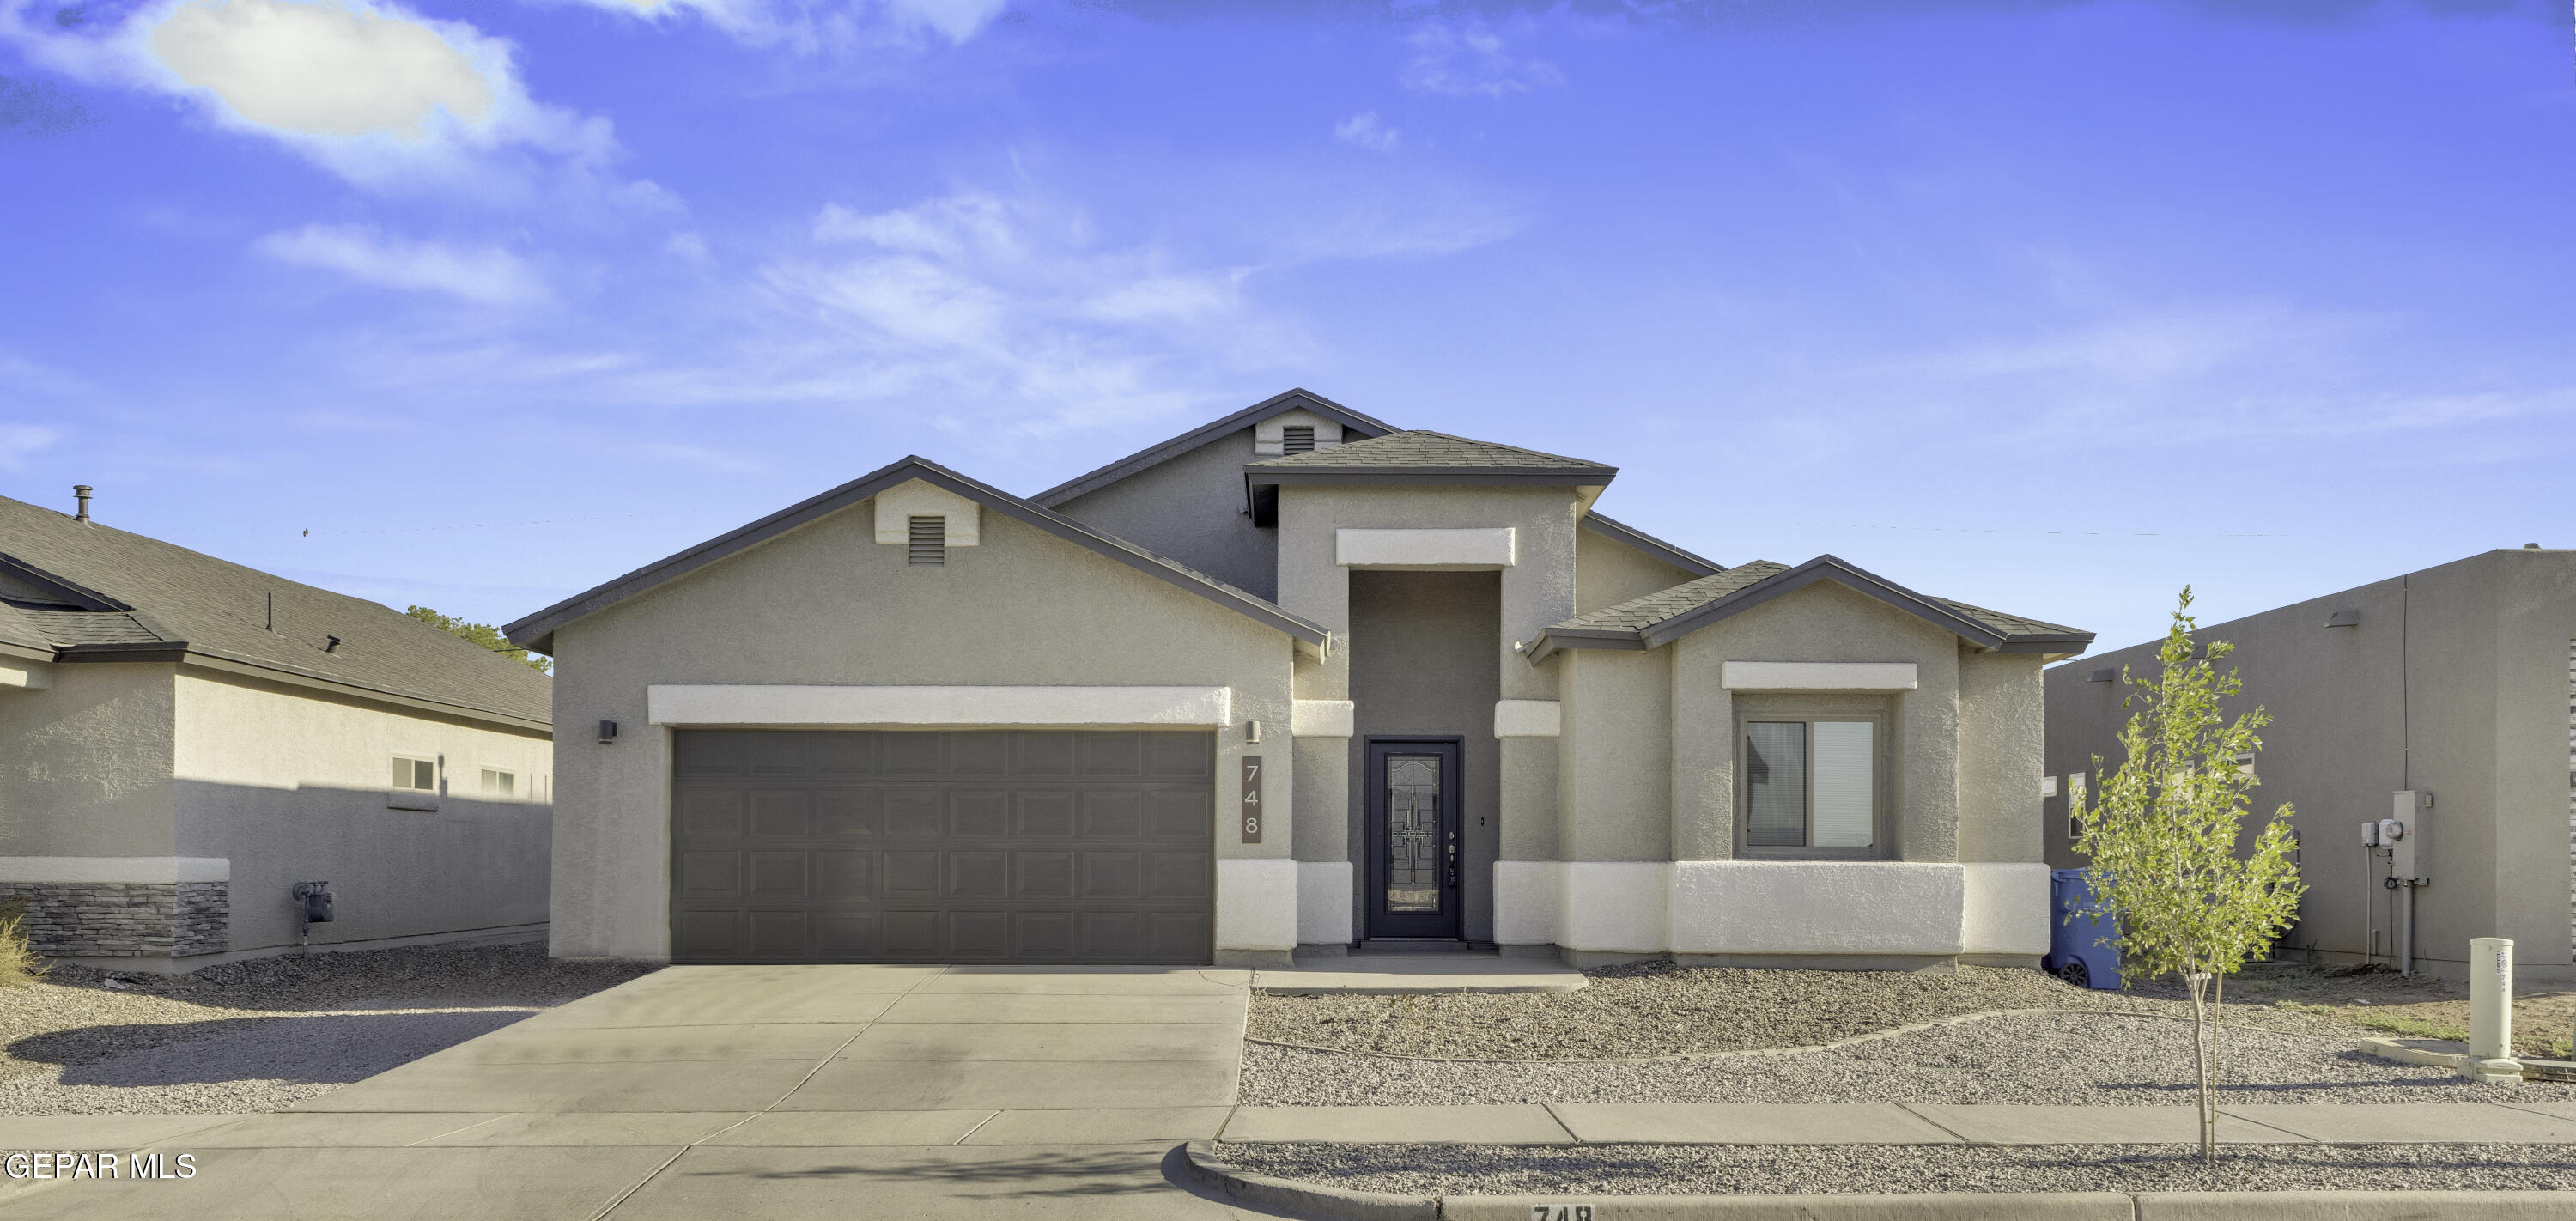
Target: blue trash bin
[[2074, 950]]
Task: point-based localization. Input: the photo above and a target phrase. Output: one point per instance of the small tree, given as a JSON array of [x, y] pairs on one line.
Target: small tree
[[2163, 836], [484, 634]]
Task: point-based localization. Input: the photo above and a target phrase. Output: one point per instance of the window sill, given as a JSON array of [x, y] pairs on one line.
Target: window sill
[[404, 799]]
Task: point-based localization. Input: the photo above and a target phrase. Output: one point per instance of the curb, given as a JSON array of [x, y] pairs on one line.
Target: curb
[[1206, 1168]]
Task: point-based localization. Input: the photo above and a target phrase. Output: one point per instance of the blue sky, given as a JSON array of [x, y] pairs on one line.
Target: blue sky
[[2047, 306]]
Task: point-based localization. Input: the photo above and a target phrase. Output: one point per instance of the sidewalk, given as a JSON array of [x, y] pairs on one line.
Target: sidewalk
[[1876, 1123]]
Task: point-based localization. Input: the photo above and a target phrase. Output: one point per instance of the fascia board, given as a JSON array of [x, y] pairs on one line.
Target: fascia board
[[1696, 565], [1553, 639], [1156, 455], [1822, 568], [1553, 476]]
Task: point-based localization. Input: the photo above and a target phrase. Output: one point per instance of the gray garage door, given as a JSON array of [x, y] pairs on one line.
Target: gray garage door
[[855, 846]]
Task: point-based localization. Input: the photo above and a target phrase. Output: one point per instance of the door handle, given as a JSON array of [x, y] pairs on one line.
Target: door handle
[[1453, 858]]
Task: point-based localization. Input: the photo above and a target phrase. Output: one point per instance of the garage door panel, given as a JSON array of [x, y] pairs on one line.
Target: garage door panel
[[845, 876], [1113, 815], [914, 813], [849, 814], [709, 873], [1041, 875], [1046, 754], [782, 814], [779, 875], [1176, 875], [979, 814], [912, 754], [711, 813], [911, 874], [1046, 814], [979, 874], [869, 846]]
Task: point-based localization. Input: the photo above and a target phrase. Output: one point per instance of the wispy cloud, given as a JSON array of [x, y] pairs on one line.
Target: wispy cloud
[[485, 275], [1368, 131], [21, 442], [813, 26], [381, 95], [1471, 60]]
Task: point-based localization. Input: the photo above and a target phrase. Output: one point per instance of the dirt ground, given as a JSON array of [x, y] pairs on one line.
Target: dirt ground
[[1652, 1009]]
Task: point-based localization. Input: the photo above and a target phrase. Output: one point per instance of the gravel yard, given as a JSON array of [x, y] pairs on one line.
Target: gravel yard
[[264, 1033], [2090, 1058], [1653, 1009], [1767, 1169]]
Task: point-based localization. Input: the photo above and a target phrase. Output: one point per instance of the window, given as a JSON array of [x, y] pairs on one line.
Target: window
[[1811, 786], [498, 783], [2074, 806], [415, 775], [929, 540], [1297, 439]]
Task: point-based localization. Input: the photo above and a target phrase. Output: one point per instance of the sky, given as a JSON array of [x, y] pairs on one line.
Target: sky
[[2052, 307]]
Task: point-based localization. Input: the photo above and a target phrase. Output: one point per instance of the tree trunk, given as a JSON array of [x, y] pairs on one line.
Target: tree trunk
[[2200, 1048]]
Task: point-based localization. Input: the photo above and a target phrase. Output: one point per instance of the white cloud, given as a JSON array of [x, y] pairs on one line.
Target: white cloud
[[812, 26], [378, 94], [1471, 61], [21, 442], [687, 245], [1368, 131], [484, 275]]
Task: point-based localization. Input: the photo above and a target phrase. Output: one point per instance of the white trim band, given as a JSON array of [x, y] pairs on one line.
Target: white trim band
[[1208, 707], [1427, 550], [1321, 719], [1819, 676], [1528, 718], [161, 870]]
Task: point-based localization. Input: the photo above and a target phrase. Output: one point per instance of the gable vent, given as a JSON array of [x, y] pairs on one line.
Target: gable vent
[[1297, 439], [929, 542]]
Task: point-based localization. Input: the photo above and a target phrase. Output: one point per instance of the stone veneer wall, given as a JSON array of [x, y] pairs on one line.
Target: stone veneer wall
[[124, 919]]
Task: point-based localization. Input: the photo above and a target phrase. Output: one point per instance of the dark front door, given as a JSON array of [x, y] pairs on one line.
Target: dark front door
[[1413, 838], [981, 846]]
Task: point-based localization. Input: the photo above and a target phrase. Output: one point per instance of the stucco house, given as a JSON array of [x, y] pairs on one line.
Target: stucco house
[[1296, 681], [2444, 699], [182, 740]]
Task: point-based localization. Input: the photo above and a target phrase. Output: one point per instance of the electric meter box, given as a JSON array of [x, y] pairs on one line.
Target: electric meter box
[[2408, 808]]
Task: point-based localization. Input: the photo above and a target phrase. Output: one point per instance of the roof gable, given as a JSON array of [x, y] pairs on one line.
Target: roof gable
[[1152, 456], [1421, 451], [537, 631], [1660, 618]]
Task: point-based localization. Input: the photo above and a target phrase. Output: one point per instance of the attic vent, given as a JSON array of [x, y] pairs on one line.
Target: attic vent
[[1297, 439], [929, 540]]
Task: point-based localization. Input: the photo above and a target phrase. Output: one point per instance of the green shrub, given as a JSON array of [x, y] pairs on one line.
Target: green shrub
[[19, 963], [2411, 1027]]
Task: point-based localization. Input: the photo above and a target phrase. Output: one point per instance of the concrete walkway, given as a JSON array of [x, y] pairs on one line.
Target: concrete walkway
[[750, 1092], [1908, 1123]]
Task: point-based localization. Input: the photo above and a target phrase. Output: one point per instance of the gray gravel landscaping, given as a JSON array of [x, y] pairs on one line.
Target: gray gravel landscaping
[[264, 1033], [1770, 1169], [2059, 1058]]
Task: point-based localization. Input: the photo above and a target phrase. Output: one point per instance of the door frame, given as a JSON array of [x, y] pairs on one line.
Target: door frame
[[1450, 921]]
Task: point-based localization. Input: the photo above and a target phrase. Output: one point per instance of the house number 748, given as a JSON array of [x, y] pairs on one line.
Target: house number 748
[[1560, 1212], [1252, 799]]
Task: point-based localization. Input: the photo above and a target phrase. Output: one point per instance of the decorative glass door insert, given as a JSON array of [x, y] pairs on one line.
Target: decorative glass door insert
[[1413, 833]]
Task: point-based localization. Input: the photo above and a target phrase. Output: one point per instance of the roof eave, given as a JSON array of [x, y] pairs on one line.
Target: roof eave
[[1550, 642]]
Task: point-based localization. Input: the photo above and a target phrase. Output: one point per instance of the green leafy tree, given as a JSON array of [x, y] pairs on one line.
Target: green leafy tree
[[2164, 837], [484, 634]]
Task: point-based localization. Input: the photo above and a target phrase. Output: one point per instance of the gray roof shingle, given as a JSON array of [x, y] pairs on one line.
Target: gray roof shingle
[[1656, 607], [221, 609], [1420, 450]]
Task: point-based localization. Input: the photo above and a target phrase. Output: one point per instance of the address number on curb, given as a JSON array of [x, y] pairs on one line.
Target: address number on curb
[[1560, 1212]]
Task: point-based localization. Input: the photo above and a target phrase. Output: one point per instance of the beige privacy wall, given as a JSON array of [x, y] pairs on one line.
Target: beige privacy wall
[[829, 605], [291, 785]]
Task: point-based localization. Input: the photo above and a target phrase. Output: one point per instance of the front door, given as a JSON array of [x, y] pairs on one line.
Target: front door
[[1413, 838]]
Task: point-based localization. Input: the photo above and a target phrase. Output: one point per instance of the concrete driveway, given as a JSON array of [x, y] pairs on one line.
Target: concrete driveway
[[883, 1091]]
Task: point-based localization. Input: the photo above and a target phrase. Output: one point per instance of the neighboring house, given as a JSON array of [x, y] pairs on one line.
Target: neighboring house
[[1294, 680], [182, 740], [2457, 682]]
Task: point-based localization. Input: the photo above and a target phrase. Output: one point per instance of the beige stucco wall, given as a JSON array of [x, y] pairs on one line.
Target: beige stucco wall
[[1609, 572], [827, 604], [1613, 802], [86, 771], [291, 785]]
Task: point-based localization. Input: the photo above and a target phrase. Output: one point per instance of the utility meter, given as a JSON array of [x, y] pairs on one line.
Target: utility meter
[[2391, 831], [2402, 833], [2369, 833]]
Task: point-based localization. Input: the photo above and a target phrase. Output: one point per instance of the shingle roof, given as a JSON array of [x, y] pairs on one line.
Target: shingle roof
[[1661, 616], [1428, 451], [222, 610], [1299, 399]]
